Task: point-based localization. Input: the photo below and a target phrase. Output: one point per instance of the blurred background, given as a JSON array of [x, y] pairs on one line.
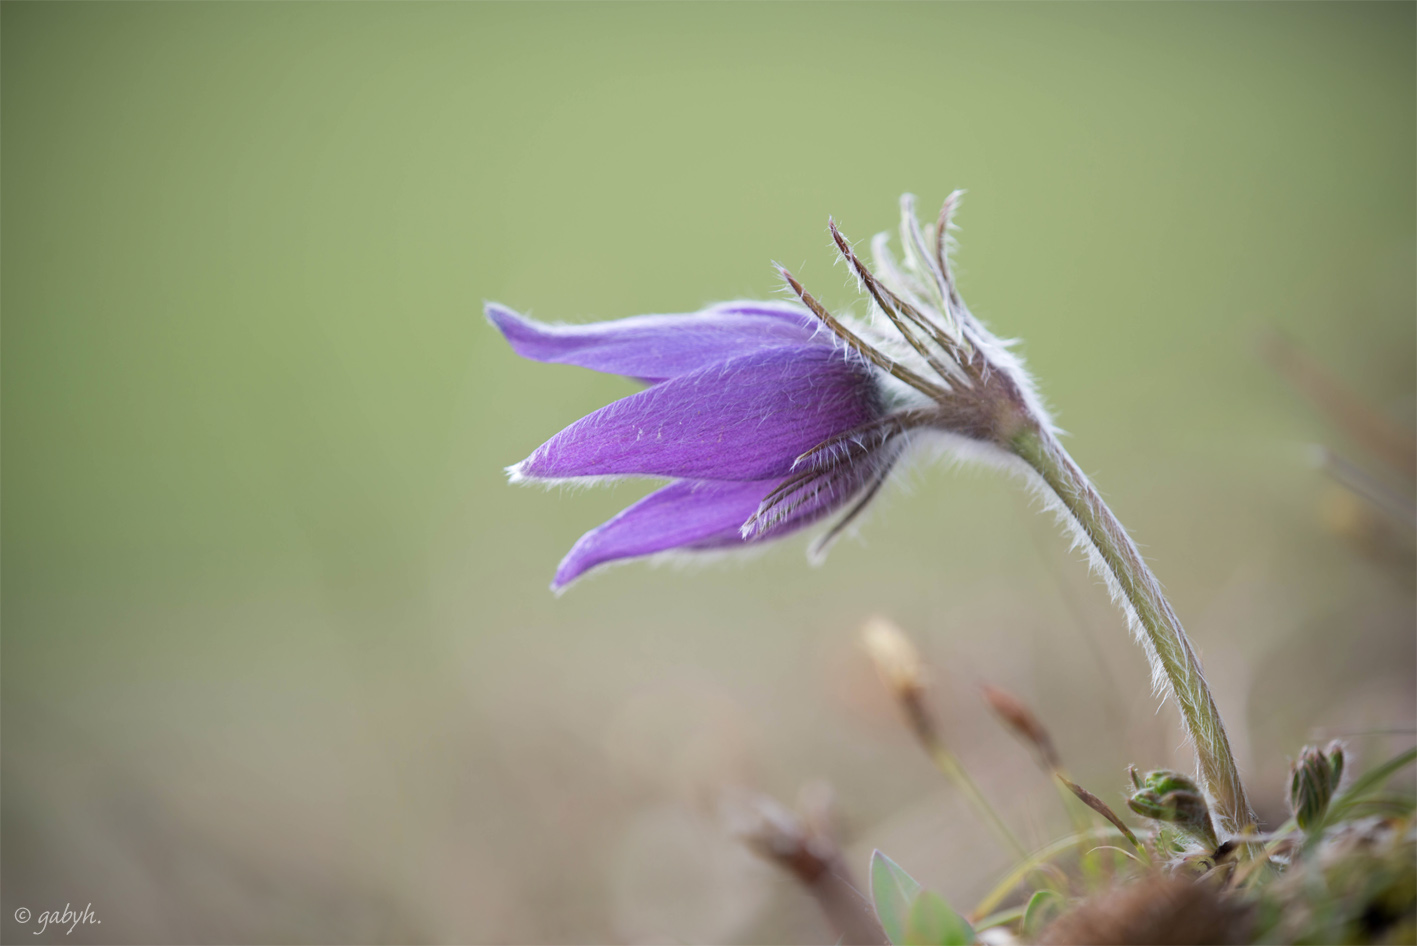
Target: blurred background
[[279, 659]]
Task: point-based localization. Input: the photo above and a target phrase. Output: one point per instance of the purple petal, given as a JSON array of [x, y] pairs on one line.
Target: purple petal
[[699, 515], [747, 418], [684, 514], [656, 347]]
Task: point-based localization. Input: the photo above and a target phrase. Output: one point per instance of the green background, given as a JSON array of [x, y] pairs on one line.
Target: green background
[[279, 659]]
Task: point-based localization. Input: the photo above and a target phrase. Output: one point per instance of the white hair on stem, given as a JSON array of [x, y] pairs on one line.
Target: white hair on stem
[[988, 409]]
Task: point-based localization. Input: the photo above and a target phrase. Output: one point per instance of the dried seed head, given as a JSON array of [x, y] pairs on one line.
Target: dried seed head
[[899, 666], [1313, 780], [1021, 720], [897, 661]]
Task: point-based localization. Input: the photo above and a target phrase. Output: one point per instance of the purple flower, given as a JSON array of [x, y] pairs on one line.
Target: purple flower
[[747, 409], [767, 417]]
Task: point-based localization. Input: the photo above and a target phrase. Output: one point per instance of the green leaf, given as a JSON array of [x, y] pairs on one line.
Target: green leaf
[[892, 892], [933, 923], [1369, 781], [1042, 907]]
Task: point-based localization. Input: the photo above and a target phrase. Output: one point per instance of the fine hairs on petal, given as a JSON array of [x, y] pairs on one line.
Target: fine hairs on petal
[[517, 476], [687, 561]]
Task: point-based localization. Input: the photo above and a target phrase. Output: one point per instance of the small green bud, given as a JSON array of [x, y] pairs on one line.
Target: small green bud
[[1165, 781], [1313, 780], [1334, 751], [1182, 804], [1192, 814], [1148, 804]]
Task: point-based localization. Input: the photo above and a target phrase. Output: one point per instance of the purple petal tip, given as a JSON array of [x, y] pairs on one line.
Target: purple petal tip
[[516, 328]]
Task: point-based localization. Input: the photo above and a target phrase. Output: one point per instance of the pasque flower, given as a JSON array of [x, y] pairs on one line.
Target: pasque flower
[[771, 416], [737, 393]]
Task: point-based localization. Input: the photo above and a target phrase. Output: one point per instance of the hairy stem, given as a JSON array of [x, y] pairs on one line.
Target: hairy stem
[[1151, 616]]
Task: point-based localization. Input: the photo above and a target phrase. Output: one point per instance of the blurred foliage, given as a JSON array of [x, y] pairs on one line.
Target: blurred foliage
[[1340, 870], [279, 661]]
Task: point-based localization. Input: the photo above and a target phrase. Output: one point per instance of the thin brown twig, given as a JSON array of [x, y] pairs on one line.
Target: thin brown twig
[[1099, 806], [803, 846]]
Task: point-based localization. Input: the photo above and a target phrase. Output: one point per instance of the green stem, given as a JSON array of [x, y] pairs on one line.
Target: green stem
[[1159, 627], [946, 762], [1042, 856]]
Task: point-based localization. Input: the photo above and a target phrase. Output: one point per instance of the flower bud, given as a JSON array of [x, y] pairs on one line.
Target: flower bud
[[1168, 796], [1335, 755], [1149, 805], [1165, 781], [1313, 779]]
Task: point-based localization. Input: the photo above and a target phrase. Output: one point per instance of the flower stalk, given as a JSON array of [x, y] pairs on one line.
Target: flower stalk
[[950, 767], [1146, 606], [900, 668], [977, 391]]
